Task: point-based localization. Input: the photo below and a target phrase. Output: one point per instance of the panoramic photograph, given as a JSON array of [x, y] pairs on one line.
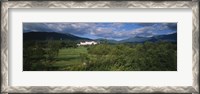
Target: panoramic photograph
[[99, 46]]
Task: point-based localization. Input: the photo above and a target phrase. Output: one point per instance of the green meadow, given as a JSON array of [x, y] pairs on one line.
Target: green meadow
[[69, 57]]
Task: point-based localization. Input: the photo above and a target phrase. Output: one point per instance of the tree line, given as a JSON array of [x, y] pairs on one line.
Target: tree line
[[160, 56], [40, 55]]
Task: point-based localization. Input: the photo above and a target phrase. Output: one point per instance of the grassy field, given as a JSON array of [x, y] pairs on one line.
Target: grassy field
[[69, 56]]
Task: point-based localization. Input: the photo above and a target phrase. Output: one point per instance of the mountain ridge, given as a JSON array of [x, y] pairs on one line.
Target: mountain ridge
[[66, 36], [168, 37], [51, 35]]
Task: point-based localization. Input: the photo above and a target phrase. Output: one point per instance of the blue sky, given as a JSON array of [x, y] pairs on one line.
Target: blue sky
[[115, 30]]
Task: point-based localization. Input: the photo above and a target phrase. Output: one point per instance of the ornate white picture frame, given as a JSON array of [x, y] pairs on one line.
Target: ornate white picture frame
[[5, 88]]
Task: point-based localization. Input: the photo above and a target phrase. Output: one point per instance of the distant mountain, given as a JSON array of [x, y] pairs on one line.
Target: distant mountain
[[169, 37], [106, 40], [137, 39], [51, 35], [67, 36]]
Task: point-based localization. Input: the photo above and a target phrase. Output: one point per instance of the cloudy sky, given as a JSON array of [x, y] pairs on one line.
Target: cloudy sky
[[116, 31]]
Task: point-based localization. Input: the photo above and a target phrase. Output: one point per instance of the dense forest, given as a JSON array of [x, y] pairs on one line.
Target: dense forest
[[53, 55]]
